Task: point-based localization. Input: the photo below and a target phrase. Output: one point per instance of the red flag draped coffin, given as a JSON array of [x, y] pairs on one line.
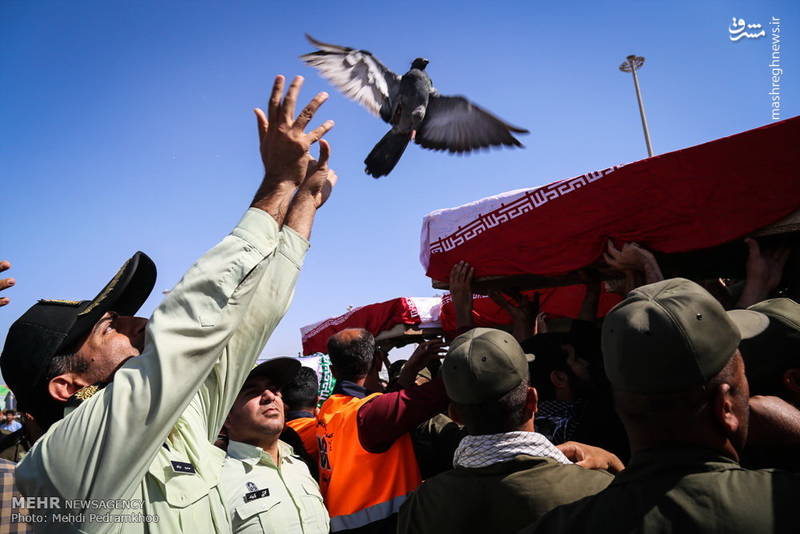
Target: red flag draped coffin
[[422, 312], [690, 199]]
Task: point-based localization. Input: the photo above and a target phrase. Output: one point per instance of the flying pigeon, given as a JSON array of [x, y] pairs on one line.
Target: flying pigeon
[[410, 103]]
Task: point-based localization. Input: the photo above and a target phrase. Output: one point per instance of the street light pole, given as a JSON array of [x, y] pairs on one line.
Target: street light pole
[[632, 64]]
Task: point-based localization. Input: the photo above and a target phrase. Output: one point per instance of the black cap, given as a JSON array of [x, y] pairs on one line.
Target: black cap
[[280, 371], [54, 327]]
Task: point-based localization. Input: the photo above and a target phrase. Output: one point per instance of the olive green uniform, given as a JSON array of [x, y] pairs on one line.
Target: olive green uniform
[[684, 490], [147, 436], [499, 498]]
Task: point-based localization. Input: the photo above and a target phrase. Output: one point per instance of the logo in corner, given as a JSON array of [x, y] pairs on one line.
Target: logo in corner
[[737, 30]]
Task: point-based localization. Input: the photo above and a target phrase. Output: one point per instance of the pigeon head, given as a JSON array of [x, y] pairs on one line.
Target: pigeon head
[[419, 63]]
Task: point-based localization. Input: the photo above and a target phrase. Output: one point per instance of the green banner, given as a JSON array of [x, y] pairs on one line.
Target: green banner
[[4, 391]]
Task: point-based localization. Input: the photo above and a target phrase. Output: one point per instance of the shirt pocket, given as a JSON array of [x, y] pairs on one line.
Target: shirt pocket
[[264, 511], [315, 515], [180, 489]]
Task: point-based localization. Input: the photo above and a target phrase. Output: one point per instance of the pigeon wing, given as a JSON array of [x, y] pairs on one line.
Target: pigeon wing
[[356, 73], [455, 124]]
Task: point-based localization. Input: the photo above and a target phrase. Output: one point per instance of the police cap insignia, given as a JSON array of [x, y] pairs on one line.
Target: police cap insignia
[[61, 302]]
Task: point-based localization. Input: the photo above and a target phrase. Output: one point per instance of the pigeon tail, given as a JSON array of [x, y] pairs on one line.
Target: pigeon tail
[[386, 154]]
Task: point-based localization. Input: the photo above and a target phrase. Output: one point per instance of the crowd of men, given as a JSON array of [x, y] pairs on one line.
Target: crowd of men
[[676, 412]]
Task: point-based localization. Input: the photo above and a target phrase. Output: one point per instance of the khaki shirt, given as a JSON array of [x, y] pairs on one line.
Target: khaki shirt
[[146, 438], [262, 497]]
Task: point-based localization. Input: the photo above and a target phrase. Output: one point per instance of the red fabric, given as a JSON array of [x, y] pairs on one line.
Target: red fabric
[[373, 317], [685, 200], [559, 301]]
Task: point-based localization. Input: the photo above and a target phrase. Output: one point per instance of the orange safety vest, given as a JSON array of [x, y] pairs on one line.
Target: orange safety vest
[[360, 487], [306, 428]]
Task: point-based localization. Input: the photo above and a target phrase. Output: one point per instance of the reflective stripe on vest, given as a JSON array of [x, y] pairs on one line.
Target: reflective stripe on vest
[[368, 515], [360, 487]]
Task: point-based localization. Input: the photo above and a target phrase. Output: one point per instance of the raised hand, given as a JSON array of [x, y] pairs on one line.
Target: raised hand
[[5, 283], [461, 293], [522, 310], [424, 353], [632, 256], [284, 147], [320, 179], [630, 260], [764, 272], [283, 141]]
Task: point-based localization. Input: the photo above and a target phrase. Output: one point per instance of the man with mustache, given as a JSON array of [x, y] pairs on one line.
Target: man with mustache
[[266, 487], [130, 406]]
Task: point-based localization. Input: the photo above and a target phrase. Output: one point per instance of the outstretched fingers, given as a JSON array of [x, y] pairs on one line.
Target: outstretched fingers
[[317, 133], [308, 112], [324, 154], [282, 108], [275, 99], [290, 101], [461, 273], [5, 283], [263, 124]]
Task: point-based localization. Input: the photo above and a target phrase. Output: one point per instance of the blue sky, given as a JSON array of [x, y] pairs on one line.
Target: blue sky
[[128, 125]]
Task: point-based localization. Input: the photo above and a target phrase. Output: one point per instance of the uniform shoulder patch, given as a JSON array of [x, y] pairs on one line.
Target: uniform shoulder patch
[[87, 392], [84, 394]]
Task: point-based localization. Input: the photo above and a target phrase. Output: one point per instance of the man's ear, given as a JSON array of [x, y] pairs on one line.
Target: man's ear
[[62, 387], [791, 380], [532, 402], [722, 408], [452, 412]]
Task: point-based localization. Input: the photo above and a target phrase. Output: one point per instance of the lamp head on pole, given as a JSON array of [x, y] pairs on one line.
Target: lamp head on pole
[[632, 63]]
